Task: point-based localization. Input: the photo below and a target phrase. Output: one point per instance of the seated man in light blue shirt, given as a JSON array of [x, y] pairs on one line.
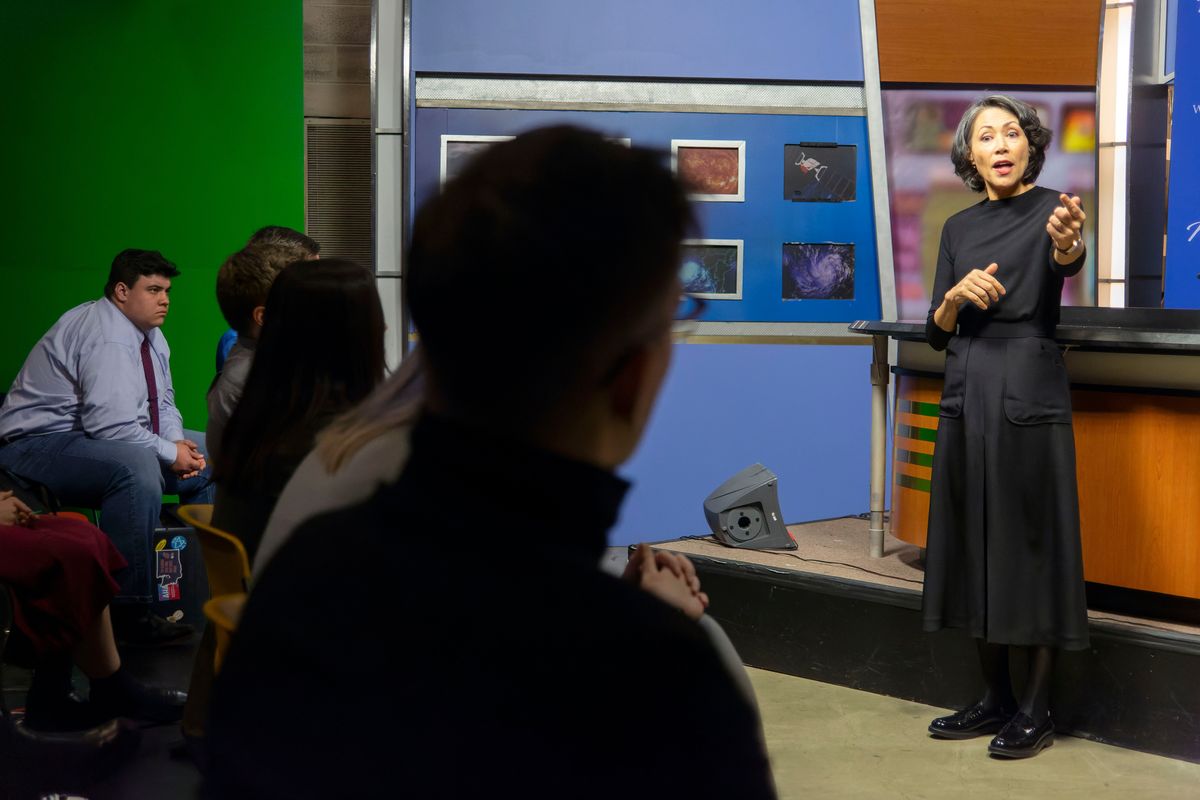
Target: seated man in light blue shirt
[[92, 416]]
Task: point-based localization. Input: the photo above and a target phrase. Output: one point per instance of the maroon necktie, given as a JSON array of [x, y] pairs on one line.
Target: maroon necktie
[[151, 384]]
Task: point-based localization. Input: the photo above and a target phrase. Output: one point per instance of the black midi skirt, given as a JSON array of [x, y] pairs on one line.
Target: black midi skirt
[[1003, 557]]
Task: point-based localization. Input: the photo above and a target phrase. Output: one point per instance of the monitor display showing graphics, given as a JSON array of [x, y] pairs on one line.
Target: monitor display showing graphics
[[714, 171], [712, 268], [923, 191], [818, 271], [752, 230], [821, 173], [458, 150], [928, 124], [1078, 129]]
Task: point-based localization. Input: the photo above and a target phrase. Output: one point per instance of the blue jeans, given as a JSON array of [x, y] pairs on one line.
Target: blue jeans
[[125, 481]]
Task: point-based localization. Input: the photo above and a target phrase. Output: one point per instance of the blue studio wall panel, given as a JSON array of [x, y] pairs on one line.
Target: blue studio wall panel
[[804, 411], [806, 40], [764, 221], [1181, 283]]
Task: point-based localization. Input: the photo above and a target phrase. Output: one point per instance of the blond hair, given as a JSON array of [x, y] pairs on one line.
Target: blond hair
[[395, 403]]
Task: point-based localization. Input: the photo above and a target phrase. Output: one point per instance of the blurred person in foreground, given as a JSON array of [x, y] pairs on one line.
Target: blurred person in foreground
[[453, 635]]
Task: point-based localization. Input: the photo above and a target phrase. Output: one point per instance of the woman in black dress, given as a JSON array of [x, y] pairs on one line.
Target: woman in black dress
[[1003, 554]]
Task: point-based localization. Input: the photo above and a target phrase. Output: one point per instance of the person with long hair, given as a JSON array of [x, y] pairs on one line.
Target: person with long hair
[[361, 450], [320, 352], [486, 549], [1004, 559]]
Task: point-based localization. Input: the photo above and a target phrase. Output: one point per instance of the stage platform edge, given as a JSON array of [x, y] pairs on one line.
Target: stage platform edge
[[829, 612]]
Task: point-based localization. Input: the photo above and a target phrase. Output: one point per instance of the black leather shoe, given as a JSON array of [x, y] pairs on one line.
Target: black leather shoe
[[155, 704], [149, 630], [971, 722], [138, 701], [1022, 737]]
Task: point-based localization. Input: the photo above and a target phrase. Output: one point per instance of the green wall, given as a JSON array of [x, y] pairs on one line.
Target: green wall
[[173, 125]]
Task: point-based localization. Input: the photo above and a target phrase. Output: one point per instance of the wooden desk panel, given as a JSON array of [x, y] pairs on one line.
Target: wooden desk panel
[[1138, 462], [1138, 465], [965, 41]]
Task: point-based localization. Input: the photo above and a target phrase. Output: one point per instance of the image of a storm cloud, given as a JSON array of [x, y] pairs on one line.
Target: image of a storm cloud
[[818, 271], [710, 271]]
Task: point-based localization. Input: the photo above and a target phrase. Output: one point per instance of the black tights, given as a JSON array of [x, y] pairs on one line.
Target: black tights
[[993, 659]]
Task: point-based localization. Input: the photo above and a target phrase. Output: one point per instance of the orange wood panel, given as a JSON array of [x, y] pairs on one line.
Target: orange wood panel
[[914, 470], [1138, 462], [1138, 466], [910, 515], [910, 503], [966, 41]]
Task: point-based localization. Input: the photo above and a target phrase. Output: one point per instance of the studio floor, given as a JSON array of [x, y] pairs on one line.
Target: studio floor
[[825, 741], [830, 741]]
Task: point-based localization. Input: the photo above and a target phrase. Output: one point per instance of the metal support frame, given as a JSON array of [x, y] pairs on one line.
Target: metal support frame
[[883, 353], [391, 101], [880, 378]]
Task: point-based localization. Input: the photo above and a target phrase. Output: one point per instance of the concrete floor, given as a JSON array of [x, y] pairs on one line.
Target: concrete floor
[[832, 742]]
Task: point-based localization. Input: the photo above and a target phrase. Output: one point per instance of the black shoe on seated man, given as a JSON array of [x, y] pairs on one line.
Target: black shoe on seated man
[[122, 695], [53, 706], [138, 626]]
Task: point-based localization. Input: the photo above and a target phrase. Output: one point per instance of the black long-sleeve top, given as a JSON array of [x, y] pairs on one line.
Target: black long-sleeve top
[[1012, 233], [454, 637]]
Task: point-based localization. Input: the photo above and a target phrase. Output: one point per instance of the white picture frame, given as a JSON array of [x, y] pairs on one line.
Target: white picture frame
[[730, 292], [738, 196], [449, 139]]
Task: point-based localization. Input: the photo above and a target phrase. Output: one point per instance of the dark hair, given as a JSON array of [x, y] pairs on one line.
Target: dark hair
[[1038, 135], [278, 234], [539, 265], [131, 264], [320, 352], [245, 278]]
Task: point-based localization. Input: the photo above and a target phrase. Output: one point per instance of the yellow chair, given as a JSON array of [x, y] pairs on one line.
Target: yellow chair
[[228, 569], [225, 558], [224, 612]]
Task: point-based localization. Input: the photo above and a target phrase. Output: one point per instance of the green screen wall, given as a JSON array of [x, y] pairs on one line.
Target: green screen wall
[[173, 125]]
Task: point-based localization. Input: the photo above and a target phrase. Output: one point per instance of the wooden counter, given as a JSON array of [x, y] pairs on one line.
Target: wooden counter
[[1136, 402]]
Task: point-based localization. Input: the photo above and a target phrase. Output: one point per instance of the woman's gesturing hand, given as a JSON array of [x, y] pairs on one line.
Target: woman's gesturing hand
[[1065, 225], [979, 287]]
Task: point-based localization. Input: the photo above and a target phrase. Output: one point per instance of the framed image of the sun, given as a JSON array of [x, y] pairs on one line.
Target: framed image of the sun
[[713, 170], [712, 268]]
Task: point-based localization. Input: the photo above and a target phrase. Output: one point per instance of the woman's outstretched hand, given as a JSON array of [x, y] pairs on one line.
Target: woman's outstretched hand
[[1065, 225]]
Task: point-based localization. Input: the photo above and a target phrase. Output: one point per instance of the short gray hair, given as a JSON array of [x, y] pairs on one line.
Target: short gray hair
[[1037, 134]]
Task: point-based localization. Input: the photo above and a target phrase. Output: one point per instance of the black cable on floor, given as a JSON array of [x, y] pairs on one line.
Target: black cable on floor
[[854, 566]]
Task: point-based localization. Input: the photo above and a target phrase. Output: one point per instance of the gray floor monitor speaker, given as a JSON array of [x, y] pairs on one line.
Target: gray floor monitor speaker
[[744, 512]]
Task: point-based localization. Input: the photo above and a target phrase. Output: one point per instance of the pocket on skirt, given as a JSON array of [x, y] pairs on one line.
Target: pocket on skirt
[[1037, 389], [955, 382]]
